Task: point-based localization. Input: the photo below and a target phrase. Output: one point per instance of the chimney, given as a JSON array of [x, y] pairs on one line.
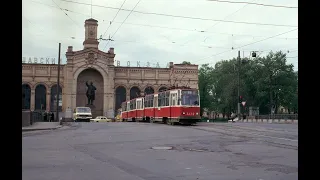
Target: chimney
[[171, 65], [70, 48], [111, 50]]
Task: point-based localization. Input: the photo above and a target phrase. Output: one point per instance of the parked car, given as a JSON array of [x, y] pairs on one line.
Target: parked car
[[100, 119], [82, 114]]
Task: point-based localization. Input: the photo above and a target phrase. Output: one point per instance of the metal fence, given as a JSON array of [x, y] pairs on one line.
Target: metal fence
[[276, 116], [41, 116]]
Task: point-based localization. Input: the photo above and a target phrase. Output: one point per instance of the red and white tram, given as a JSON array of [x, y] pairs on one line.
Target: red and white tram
[[180, 105]]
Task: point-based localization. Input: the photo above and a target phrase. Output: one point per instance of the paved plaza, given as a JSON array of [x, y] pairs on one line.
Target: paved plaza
[[124, 151]]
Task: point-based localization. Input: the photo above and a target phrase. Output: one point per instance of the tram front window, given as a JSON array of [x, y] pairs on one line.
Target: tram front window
[[189, 97]]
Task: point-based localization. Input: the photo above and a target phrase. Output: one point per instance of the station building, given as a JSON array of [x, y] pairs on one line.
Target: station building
[[114, 84]]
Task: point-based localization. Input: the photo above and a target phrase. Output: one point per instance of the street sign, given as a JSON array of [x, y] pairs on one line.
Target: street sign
[[243, 103]]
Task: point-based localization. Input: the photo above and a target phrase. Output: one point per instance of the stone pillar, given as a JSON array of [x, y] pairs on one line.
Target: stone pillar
[[48, 98], [127, 94], [108, 84], [32, 99]]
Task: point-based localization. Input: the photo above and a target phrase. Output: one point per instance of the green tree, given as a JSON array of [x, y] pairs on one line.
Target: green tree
[[205, 87], [264, 81], [275, 82], [186, 62]]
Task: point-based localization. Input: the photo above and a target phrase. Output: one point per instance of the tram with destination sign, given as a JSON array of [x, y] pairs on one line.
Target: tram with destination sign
[[172, 106]]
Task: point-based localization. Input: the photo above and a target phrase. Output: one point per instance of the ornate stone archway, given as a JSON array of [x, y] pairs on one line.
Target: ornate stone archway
[[94, 76]]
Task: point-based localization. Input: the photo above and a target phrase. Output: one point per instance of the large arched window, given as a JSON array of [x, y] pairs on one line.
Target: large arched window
[[26, 96], [120, 96], [148, 90], [40, 97], [134, 92], [162, 89], [53, 98]]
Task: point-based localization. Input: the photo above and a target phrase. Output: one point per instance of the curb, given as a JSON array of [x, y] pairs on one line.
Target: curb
[[41, 129], [269, 121]]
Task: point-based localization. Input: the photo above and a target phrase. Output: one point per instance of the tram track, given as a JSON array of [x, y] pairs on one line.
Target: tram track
[[259, 137]]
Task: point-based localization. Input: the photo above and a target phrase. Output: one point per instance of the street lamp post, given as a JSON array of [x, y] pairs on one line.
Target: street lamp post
[[239, 63], [253, 54]]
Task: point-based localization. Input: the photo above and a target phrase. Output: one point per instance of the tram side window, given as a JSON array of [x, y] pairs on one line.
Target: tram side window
[[167, 95], [151, 100], [155, 101], [134, 104], [173, 99], [139, 104], [131, 105], [147, 101], [161, 99]]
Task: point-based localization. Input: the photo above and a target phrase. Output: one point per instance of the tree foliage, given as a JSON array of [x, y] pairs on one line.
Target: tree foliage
[[186, 62], [265, 82]]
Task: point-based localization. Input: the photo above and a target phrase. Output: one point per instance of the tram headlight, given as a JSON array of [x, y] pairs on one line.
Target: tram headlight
[[183, 113], [197, 113]]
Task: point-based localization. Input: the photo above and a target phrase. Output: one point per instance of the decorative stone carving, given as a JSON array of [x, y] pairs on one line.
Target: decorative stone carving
[[91, 58]]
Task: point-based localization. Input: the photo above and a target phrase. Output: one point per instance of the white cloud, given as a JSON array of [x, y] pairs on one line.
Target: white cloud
[[45, 25]]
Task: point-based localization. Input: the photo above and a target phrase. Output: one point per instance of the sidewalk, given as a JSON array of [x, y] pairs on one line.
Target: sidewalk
[[42, 126]]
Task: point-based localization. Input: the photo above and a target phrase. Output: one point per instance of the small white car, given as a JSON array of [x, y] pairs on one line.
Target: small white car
[[100, 119]]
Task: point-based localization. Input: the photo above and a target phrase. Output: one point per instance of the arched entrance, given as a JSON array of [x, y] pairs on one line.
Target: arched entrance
[[26, 95], [53, 98], [41, 97], [90, 75], [120, 96], [148, 90], [134, 92]]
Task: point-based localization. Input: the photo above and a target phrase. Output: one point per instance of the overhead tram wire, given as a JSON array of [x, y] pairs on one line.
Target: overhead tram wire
[[219, 22], [246, 45], [200, 46], [121, 24], [53, 6], [114, 18], [185, 17], [252, 3], [66, 13], [165, 27]]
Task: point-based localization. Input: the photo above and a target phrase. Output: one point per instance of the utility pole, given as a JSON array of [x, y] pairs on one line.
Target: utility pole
[[239, 64], [58, 84]]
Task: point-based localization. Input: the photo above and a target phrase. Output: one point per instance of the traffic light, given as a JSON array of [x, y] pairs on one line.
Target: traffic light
[[254, 54], [240, 99]]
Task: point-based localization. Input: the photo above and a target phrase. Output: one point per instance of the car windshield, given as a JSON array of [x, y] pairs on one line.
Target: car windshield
[[189, 97], [84, 110]]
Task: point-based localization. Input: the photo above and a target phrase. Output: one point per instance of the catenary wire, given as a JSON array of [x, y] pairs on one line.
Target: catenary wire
[[257, 4], [114, 18], [66, 14], [171, 28], [184, 17], [247, 44], [122, 24]]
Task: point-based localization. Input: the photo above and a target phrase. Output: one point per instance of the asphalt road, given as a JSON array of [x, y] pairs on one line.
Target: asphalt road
[[123, 151]]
